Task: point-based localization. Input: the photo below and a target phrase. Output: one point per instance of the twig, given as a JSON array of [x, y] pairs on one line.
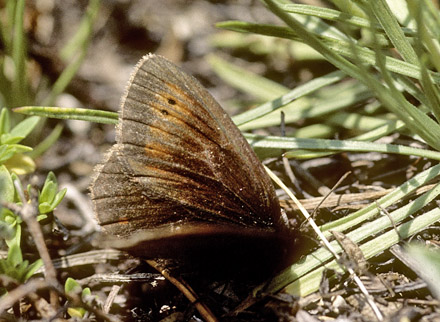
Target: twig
[[87, 258], [121, 278], [419, 302], [286, 164], [334, 200], [186, 290], [330, 192], [84, 207], [343, 200], [303, 211], [311, 179], [28, 213], [383, 211], [111, 298], [32, 286], [20, 292]]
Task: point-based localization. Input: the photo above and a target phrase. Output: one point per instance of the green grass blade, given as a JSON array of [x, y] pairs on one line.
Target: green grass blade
[[44, 145], [64, 79], [246, 81], [283, 100], [284, 143], [76, 52], [431, 91], [80, 41], [371, 210], [19, 85], [356, 121], [338, 16], [396, 102], [6, 26], [342, 96], [81, 114], [392, 28], [344, 48], [309, 283]]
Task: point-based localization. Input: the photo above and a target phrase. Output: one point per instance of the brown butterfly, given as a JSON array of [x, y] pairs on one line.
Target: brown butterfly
[[182, 182]]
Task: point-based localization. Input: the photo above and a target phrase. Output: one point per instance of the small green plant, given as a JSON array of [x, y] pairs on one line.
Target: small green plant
[[16, 268], [49, 196], [48, 199], [12, 154], [17, 89], [73, 287], [10, 223]]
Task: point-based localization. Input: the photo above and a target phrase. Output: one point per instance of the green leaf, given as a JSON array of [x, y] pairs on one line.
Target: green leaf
[[290, 97], [31, 269], [4, 267], [50, 188], [304, 277], [72, 286], [49, 198], [334, 47], [25, 127], [51, 178], [318, 104], [86, 292], [48, 192], [16, 180], [8, 138], [16, 227], [7, 151], [58, 198], [6, 231], [3, 151], [335, 15], [81, 38], [14, 255], [20, 164], [44, 208], [11, 219], [4, 121], [19, 271], [41, 217], [76, 312], [392, 28], [18, 148], [75, 51], [7, 189]]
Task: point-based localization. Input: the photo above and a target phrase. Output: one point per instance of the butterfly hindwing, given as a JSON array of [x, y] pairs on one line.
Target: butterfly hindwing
[[179, 159]]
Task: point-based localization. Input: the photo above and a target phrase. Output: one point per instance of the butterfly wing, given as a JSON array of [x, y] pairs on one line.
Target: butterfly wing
[[179, 162]]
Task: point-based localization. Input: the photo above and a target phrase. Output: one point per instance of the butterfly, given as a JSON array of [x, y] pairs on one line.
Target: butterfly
[[182, 182]]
